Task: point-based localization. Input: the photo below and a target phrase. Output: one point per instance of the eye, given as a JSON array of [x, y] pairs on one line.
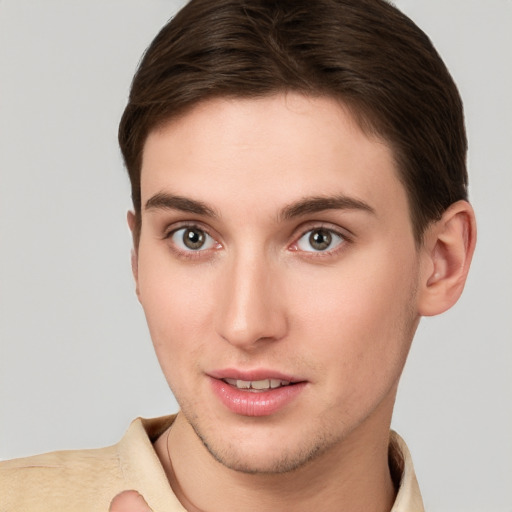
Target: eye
[[319, 240], [192, 239]]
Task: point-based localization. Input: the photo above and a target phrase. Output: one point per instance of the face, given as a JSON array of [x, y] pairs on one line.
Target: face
[[278, 271]]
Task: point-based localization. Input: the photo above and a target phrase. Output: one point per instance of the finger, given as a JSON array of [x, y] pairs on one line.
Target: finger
[[129, 501]]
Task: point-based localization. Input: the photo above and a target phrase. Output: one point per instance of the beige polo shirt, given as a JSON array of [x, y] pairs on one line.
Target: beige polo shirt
[[87, 480]]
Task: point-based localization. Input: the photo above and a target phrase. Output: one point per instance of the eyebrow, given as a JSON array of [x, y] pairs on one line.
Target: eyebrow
[[165, 201], [306, 206], [311, 205]]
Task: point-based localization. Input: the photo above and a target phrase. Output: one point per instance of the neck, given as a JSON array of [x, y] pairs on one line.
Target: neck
[[352, 475]]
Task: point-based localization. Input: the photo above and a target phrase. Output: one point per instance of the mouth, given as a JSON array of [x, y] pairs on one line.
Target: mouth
[[256, 393], [257, 385]]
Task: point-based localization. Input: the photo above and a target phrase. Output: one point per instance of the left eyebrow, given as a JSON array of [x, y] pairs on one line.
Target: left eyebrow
[[315, 204]]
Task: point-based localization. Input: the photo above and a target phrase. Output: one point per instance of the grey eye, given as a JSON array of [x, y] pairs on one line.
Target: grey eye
[[319, 240]]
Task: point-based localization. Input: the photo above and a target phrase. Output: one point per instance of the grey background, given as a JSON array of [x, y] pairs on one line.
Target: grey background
[[76, 362]]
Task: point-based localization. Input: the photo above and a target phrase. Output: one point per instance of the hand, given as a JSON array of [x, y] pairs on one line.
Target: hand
[[129, 501]]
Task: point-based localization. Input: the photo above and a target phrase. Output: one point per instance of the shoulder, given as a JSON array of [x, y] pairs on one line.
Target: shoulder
[[84, 480], [61, 480]]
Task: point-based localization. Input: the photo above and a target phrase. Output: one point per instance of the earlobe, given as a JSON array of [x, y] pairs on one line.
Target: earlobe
[[134, 254], [446, 256]]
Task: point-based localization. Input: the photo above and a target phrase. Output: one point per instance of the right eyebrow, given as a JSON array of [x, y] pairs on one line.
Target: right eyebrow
[[166, 201]]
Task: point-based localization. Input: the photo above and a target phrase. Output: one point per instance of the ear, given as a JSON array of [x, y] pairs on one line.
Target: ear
[[448, 247], [130, 217]]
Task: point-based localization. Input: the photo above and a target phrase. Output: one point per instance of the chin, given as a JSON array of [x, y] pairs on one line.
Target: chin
[[271, 456], [250, 463]]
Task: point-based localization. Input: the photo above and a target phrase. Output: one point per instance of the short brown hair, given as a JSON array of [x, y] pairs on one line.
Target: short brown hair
[[365, 53]]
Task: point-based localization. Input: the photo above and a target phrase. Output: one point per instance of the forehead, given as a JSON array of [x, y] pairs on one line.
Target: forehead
[[268, 151]]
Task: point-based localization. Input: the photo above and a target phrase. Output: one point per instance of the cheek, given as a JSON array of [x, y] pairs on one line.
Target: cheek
[[360, 319], [178, 306]]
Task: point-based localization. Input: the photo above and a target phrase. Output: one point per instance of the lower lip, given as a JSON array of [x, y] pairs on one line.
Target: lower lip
[[255, 403]]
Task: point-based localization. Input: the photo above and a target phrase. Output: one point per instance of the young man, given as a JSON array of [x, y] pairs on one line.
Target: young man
[[300, 201]]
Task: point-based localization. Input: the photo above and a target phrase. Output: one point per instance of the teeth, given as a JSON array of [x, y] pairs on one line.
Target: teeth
[[258, 384], [242, 384], [275, 383]]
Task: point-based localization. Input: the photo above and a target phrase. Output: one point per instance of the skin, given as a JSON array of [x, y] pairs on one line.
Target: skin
[[129, 501], [259, 296]]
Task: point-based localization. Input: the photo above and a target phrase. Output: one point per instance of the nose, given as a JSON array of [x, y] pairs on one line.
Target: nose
[[251, 308]]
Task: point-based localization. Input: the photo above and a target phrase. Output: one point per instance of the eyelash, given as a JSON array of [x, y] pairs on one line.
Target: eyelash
[[191, 253], [343, 239]]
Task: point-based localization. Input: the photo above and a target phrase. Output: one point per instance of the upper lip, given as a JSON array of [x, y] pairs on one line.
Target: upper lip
[[252, 375]]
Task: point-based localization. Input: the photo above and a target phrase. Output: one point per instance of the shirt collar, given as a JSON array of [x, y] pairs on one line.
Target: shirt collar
[[408, 497], [142, 467]]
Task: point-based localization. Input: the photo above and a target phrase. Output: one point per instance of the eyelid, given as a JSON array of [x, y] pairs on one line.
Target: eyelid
[[209, 241], [188, 253], [175, 226], [343, 233]]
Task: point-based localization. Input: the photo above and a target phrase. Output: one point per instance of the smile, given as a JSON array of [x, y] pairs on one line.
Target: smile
[[257, 385]]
